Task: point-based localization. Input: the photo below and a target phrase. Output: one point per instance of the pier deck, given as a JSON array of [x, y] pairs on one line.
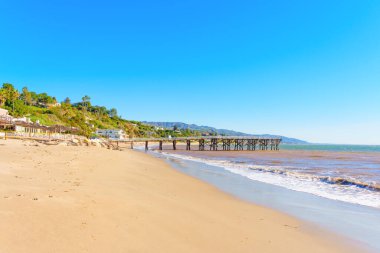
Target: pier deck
[[212, 143]]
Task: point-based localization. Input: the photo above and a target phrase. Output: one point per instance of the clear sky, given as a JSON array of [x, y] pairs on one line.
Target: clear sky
[[304, 69]]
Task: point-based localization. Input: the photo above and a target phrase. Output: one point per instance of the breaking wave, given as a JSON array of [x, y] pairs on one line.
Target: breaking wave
[[344, 189]]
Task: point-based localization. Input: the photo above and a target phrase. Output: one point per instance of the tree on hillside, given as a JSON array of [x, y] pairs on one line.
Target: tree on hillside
[[26, 96], [67, 101], [99, 111], [45, 99], [102, 111], [2, 97], [34, 97], [11, 95], [112, 113], [86, 101]]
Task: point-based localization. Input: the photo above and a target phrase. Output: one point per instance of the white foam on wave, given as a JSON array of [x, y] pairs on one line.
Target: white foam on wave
[[292, 180]]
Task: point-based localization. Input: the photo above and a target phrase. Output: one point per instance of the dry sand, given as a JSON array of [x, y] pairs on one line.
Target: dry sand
[[88, 199]]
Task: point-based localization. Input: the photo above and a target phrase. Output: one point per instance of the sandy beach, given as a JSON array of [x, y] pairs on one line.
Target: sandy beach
[[91, 199]]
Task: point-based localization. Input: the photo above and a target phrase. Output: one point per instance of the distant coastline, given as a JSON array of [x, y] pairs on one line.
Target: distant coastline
[[213, 130]]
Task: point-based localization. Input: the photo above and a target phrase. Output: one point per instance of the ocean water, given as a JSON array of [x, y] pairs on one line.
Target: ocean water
[[333, 186], [338, 172], [332, 147]]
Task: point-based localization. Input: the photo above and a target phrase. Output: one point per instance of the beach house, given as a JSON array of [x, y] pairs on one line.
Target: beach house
[[29, 128], [115, 134]]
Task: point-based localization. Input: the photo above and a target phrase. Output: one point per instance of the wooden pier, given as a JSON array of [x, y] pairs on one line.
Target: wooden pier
[[213, 143]]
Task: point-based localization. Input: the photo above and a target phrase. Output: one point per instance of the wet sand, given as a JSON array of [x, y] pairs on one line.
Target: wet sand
[[88, 199]]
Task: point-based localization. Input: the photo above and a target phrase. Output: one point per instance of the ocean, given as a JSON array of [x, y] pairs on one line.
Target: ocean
[[332, 147], [334, 186], [339, 172]]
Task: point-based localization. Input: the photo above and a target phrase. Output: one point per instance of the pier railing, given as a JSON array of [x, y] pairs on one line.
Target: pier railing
[[213, 143], [198, 138]]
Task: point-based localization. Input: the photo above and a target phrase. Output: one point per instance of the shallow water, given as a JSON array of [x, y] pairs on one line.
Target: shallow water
[[359, 223], [353, 177]]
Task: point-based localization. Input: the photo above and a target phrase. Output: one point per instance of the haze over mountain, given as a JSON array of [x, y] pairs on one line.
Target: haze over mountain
[[211, 130]]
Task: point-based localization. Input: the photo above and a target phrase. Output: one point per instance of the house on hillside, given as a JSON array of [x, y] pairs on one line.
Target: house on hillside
[[54, 105], [22, 120], [115, 134]]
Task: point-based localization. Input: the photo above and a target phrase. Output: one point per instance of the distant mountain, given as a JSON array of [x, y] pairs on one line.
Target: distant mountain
[[207, 129]]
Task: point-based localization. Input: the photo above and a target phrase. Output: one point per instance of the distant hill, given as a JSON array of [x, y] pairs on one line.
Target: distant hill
[[212, 130]]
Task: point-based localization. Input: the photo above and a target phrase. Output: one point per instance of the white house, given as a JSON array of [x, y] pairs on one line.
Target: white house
[[54, 105], [116, 134], [23, 119]]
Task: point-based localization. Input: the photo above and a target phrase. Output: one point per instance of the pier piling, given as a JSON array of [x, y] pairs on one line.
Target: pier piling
[[160, 145]]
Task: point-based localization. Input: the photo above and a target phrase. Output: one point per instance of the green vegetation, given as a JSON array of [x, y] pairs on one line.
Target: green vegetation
[[43, 108]]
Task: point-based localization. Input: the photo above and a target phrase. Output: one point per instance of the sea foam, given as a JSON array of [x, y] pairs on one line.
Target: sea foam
[[336, 188]]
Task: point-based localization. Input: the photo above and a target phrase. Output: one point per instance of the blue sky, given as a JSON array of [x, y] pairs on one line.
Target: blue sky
[[305, 69]]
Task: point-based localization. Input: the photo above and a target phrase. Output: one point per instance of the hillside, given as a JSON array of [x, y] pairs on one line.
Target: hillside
[[215, 131], [84, 117]]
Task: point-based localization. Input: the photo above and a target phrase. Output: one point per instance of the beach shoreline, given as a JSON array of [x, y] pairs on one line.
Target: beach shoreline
[[91, 199]]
